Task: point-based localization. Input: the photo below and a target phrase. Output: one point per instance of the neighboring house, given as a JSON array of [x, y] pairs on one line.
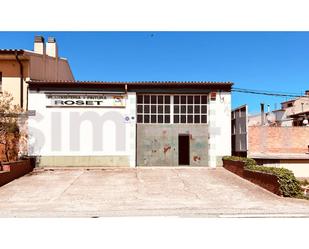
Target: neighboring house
[[17, 66], [293, 112], [273, 138], [239, 131], [130, 123]]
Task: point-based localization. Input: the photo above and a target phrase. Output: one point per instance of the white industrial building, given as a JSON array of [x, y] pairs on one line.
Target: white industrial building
[[129, 123]]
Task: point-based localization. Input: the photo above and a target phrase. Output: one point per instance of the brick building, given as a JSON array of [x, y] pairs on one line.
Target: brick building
[[278, 143]]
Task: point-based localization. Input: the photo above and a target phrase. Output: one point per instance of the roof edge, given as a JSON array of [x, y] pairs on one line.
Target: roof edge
[[33, 82]]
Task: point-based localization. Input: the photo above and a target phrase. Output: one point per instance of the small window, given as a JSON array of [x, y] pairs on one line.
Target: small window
[[167, 99], [167, 119], [139, 109], [234, 129], [146, 99], [139, 118], [154, 99], [153, 109], [140, 99]]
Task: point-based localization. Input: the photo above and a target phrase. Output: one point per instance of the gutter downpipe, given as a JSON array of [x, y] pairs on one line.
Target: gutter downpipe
[[21, 72]]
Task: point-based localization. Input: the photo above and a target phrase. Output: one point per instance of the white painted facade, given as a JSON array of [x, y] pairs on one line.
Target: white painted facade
[[97, 131], [55, 131], [219, 128]]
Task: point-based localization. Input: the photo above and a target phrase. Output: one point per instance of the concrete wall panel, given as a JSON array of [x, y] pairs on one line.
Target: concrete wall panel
[[157, 145]]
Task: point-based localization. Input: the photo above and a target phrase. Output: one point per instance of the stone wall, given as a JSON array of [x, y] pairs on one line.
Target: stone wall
[[157, 145], [264, 139]]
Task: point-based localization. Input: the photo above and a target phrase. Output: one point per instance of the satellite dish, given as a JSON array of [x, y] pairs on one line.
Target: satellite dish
[[305, 122]]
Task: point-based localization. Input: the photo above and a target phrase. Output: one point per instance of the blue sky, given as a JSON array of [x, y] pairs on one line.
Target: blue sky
[[272, 61]]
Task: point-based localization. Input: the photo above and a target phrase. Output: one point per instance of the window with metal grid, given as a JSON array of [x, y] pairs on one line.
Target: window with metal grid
[[153, 109], [190, 109]]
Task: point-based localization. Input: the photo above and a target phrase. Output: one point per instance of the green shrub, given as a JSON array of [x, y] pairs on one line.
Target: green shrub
[[304, 182], [289, 185]]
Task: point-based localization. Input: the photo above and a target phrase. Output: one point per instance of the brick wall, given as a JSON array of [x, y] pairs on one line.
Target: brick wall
[[13, 170], [263, 139], [264, 180]]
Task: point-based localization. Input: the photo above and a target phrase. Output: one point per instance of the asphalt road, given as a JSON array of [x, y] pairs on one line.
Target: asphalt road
[[185, 192]]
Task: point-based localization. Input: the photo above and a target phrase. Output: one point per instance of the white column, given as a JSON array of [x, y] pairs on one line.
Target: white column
[[211, 133], [219, 127], [132, 113]]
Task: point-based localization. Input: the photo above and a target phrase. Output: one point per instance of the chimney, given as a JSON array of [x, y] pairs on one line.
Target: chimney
[[262, 113], [51, 47], [39, 45]]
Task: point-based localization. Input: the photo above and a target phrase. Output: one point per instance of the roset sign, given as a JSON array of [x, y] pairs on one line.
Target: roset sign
[[88, 100], [78, 102]]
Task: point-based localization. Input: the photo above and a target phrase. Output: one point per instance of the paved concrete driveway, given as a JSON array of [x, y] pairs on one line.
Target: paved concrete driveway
[[141, 191]]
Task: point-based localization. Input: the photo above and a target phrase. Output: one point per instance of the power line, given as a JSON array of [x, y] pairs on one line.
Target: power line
[[269, 93]]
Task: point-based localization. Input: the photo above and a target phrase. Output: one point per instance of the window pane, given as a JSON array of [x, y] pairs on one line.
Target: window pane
[[146, 118], [139, 109], [153, 119], [139, 118], [160, 109], [190, 109], [197, 99], [176, 119], [167, 99], [197, 119], [160, 99], [176, 99], [197, 109], [167, 119], [204, 99], [183, 109], [167, 109], [146, 108], [183, 99], [190, 118], [146, 99], [140, 99], [153, 99], [176, 108], [204, 109], [190, 99], [160, 119], [153, 109], [183, 118], [204, 118]]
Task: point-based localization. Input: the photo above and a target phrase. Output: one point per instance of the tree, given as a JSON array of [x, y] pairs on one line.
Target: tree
[[9, 128]]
